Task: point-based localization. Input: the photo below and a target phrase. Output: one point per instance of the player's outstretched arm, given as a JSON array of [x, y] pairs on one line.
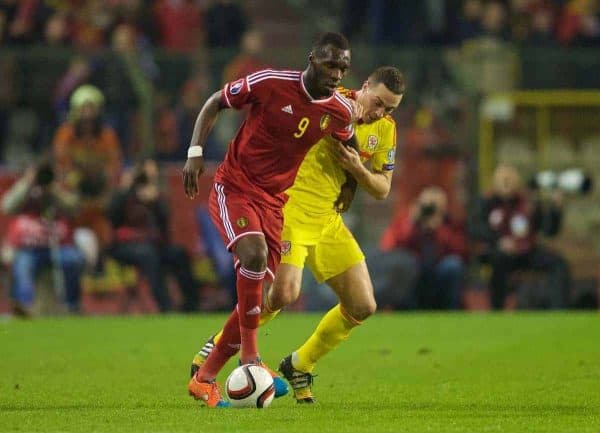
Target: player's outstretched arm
[[194, 166]]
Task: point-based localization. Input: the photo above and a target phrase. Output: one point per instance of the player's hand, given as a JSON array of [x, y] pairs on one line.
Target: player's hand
[[193, 168], [348, 158], [344, 200]]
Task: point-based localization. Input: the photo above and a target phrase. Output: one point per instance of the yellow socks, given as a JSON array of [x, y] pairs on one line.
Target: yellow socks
[[334, 328]]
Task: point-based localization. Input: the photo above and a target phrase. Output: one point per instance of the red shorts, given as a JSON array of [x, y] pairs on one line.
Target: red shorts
[[236, 215]]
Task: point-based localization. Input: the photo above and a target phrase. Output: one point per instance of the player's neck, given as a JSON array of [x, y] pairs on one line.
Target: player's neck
[[310, 88], [358, 94]]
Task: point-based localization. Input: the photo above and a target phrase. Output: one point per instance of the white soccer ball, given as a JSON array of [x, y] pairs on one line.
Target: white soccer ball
[[250, 386]]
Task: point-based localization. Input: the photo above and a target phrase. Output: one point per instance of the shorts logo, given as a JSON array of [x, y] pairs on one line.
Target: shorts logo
[[235, 88], [372, 142], [242, 222], [325, 120], [286, 247]]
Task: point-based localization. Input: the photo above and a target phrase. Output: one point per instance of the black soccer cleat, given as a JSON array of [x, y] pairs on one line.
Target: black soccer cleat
[[300, 382]]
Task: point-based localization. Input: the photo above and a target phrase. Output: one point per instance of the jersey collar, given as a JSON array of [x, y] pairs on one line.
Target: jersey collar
[[308, 95]]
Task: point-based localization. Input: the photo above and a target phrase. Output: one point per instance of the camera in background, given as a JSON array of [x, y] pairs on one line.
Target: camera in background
[[573, 181]]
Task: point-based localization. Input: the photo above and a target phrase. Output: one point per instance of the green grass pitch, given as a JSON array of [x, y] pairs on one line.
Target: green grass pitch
[[397, 373]]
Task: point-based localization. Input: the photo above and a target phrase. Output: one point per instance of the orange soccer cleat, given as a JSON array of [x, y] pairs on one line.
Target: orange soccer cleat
[[207, 392]]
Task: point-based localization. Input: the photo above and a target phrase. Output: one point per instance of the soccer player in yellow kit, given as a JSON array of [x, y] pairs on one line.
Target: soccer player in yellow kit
[[315, 233]]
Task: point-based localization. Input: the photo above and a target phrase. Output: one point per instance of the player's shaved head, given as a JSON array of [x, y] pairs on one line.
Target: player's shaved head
[[333, 39], [328, 63], [390, 77]]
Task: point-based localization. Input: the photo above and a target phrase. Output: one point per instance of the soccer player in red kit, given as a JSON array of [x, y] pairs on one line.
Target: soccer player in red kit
[[289, 112]]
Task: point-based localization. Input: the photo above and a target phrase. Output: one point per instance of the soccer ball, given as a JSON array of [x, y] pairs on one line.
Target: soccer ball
[[250, 386]]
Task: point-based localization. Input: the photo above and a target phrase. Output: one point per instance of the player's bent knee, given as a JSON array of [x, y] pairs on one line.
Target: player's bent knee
[[254, 259], [284, 295], [362, 312]]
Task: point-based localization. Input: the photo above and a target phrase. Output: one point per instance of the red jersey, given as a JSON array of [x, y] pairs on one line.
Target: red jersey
[[283, 123]]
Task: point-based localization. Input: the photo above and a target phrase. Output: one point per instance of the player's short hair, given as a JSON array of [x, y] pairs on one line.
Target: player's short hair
[[391, 77], [334, 39]]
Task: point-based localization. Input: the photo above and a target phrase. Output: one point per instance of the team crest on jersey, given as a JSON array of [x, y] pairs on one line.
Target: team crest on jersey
[[242, 222], [235, 88], [286, 247], [372, 142], [325, 120]]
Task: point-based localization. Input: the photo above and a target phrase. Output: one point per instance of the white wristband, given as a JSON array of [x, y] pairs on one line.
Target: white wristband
[[194, 151]]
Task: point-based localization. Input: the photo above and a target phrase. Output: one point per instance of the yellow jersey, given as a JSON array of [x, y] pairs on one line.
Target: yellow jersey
[[320, 178]]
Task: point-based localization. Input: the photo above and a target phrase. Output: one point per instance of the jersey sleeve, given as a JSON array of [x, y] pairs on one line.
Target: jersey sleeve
[[247, 90], [385, 156], [344, 134], [347, 132]]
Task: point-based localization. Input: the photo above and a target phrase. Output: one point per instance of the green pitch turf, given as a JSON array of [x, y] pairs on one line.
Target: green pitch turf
[[397, 373]]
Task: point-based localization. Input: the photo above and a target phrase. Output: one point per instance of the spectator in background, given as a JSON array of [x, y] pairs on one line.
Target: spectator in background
[[8, 94], [130, 73], [179, 25], [542, 28], [78, 72], [21, 20], [429, 246], [139, 215], [248, 60], [193, 94], [91, 23], [506, 228], [225, 23], [88, 157], [488, 63], [494, 20], [56, 30], [243, 64], [41, 235], [579, 24], [3, 26], [428, 145], [469, 24]]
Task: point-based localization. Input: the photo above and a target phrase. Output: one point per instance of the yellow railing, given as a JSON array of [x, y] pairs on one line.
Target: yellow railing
[[542, 101]]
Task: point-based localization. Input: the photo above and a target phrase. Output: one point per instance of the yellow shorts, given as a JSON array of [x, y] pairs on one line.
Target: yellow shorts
[[324, 243]]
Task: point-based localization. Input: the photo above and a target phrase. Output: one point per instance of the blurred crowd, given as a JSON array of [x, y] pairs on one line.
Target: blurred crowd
[[527, 22], [186, 25], [114, 45], [122, 84], [178, 25]]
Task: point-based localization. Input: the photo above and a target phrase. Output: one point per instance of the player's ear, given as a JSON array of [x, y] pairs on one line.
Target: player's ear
[[365, 85]]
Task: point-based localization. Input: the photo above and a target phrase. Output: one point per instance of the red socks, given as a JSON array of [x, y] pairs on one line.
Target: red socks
[[249, 290], [240, 327]]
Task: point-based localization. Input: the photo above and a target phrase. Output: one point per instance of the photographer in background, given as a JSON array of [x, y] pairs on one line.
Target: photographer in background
[[139, 215], [40, 234], [506, 226], [427, 245]]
